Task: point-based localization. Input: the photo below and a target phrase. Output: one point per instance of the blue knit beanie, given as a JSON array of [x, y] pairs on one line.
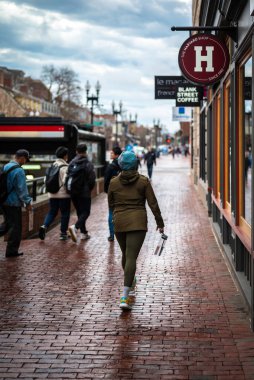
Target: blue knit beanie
[[127, 161]]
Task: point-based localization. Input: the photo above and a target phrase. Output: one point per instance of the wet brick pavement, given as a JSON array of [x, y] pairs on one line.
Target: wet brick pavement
[[59, 315]]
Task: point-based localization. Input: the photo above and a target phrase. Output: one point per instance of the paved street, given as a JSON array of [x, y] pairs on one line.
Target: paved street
[[59, 314]]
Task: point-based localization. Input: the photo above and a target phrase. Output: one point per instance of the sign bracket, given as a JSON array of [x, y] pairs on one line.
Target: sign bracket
[[232, 31]]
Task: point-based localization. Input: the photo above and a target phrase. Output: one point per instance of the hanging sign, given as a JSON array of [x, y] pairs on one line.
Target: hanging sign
[[203, 59], [188, 96], [166, 86], [181, 114]]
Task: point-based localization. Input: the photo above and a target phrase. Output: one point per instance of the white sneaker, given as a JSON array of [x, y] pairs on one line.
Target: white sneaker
[[73, 232], [125, 303], [84, 236]]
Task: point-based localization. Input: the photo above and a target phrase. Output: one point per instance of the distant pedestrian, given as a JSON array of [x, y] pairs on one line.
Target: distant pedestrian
[[139, 165], [150, 160], [186, 151], [80, 181], [112, 170], [18, 197], [127, 196], [58, 198]]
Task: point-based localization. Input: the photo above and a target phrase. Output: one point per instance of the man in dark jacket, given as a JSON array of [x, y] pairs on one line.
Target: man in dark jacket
[[150, 159], [18, 197], [112, 170], [79, 183]]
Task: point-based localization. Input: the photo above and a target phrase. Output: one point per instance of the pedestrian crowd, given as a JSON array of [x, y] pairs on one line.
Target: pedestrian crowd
[[72, 182]]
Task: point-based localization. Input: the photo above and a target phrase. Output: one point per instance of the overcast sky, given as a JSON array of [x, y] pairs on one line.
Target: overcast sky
[[121, 43]]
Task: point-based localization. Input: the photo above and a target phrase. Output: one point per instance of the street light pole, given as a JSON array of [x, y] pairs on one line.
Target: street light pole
[[116, 113], [156, 129], [132, 121], [93, 98]]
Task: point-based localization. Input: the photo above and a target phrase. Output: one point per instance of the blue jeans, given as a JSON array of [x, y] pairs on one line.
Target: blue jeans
[[110, 222], [150, 170], [56, 204]]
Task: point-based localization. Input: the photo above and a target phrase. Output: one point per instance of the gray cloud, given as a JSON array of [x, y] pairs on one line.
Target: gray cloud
[[121, 43]]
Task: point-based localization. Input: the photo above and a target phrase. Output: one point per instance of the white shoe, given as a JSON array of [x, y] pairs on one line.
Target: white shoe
[[84, 236], [125, 303], [73, 232]]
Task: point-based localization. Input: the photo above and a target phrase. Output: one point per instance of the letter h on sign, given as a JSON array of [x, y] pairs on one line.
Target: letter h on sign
[[208, 58]]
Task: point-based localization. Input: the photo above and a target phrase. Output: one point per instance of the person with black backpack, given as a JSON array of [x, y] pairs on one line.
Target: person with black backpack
[[14, 195], [79, 183], [59, 199], [112, 170]]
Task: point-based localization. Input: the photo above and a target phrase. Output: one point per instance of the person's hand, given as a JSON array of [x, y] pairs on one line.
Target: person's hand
[[161, 230]]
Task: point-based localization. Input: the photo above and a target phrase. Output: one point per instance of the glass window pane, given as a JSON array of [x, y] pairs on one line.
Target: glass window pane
[[247, 121], [227, 116]]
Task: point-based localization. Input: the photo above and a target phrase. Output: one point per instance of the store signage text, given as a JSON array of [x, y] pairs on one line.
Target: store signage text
[[166, 87], [203, 59], [188, 96]]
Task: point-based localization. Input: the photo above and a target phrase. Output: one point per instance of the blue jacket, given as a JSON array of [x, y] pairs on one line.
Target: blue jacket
[[16, 185]]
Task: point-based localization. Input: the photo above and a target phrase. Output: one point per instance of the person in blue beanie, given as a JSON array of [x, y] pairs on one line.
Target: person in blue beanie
[[127, 196]]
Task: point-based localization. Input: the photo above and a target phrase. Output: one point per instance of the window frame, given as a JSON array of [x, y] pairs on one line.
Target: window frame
[[246, 227]]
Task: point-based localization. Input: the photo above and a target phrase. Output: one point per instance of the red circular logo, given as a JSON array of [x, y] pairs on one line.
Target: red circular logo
[[203, 59]]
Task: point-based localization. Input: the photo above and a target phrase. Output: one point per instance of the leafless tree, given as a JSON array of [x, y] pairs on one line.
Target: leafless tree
[[63, 83]]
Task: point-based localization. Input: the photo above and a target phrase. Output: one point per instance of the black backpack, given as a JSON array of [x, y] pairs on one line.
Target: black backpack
[[76, 177], [52, 178], [3, 183]]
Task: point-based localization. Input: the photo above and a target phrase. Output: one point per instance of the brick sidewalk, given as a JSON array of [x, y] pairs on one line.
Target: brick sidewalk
[[59, 315]]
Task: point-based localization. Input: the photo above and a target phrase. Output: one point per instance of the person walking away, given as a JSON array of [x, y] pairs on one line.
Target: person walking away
[[80, 181], [150, 160], [139, 165], [18, 197], [113, 169], [58, 197], [127, 196]]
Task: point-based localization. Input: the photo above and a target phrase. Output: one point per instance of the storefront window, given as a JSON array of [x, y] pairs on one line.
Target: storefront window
[[217, 148], [247, 122], [228, 144]]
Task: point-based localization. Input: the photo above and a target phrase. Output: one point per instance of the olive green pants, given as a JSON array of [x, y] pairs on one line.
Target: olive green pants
[[130, 243]]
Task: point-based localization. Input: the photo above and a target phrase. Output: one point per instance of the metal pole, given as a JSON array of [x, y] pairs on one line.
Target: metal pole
[[116, 135], [92, 113], [34, 190]]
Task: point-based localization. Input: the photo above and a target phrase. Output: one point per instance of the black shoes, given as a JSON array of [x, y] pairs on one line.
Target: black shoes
[[110, 238], [42, 232], [14, 254]]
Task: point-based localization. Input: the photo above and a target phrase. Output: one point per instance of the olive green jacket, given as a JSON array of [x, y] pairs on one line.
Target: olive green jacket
[[127, 196]]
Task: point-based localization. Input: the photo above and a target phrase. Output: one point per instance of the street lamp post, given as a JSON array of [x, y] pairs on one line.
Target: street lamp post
[[156, 130], [132, 123], [93, 98], [116, 112]]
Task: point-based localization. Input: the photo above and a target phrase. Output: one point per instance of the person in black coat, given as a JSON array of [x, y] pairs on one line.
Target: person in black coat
[[112, 170], [150, 160], [80, 181]]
